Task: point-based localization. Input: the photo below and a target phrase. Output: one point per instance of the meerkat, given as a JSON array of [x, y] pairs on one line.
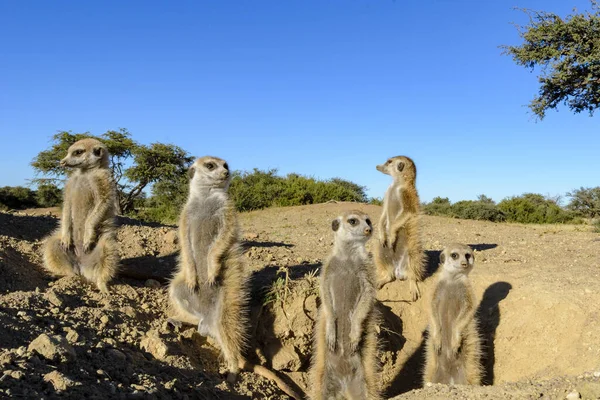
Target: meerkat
[[210, 287], [453, 346], [399, 253], [85, 243], [344, 361]]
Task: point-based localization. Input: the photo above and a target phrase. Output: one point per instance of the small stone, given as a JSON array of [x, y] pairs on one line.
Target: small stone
[[145, 306], [21, 351], [116, 355], [152, 283], [597, 374], [54, 298], [154, 345], [58, 380], [104, 319], [21, 314], [53, 347], [17, 374], [574, 395], [129, 311], [72, 335], [251, 236], [285, 358]]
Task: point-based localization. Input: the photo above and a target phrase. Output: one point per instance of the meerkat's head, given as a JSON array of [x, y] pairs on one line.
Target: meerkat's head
[[457, 259], [86, 154], [210, 171], [400, 168], [352, 226]]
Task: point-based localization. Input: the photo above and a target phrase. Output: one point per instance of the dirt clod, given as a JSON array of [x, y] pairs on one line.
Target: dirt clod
[[53, 348]]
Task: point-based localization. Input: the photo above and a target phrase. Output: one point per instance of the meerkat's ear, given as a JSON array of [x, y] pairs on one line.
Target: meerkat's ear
[[98, 150], [442, 257], [335, 224], [191, 172], [400, 166]]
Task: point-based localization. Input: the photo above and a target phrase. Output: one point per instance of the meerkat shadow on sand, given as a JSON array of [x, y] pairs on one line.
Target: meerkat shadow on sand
[[488, 314], [410, 376]]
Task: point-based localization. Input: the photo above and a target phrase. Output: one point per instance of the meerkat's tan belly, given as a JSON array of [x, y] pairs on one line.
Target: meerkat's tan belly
[[204, 230], [83, 204]]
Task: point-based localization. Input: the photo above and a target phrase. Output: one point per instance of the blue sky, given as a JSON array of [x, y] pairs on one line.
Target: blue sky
[[322, 88]]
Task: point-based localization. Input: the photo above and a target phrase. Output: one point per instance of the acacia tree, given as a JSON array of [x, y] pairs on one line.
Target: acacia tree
[[568, 52], [134, 166]]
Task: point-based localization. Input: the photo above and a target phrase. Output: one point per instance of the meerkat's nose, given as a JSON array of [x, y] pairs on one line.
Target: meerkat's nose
[[368, 230], [63, 162], [226, 174]]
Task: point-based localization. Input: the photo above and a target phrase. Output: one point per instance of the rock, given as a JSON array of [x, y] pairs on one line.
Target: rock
[[597, 374], [129, 311], [104, 319], [116, 356], [284, 358], [54, 298], [53, 348], [72, 335], [574, 395], [152, 283], [154, 345], [58, 380], [251, 236]]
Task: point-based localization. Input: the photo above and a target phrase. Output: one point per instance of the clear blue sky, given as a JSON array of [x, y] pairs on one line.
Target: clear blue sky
[[323, 88]]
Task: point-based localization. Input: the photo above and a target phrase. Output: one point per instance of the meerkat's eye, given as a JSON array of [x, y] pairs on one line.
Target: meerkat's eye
[[78, 152], [210, 166], [352, 221], [225, 166], [400, 166], [454, 256], [368, 221], [467, 256]]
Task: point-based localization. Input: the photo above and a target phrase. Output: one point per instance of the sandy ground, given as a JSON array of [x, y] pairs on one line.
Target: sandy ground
[[537, 286]]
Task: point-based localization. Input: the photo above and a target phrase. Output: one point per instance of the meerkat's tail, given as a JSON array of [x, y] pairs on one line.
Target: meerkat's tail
[[267, 373]]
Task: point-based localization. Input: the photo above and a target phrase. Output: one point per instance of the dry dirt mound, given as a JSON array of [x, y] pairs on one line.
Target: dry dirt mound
[[537, 285]]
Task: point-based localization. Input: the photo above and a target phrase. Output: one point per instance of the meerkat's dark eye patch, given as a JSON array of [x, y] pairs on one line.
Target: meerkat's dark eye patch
[[335, 224], [454, 256], [352, 221], [368, 221], [400, 166], [78, 152], [468, 256], [210, 166], [97, 151], [226, 166]]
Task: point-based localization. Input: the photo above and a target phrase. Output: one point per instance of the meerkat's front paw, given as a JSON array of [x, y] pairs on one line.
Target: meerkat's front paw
[[415, 292], [211, 277], [66, 242], [88, 241], [354, 341], [455, 345]]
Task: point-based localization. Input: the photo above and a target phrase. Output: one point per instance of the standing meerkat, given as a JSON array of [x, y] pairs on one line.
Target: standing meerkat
[[210, 288], [453, 345], [399, 254], [345, 348], [85, 243]]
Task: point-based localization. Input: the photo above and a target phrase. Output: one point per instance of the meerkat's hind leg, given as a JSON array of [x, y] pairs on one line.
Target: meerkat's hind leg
[[57, 260], [100, 265], [183, 301]]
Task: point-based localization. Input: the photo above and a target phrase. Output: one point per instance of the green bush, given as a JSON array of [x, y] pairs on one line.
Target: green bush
[[17, 197], [261, 189], [534, 208], [48, 195], [585, 202], [481, 210], [439, 206]]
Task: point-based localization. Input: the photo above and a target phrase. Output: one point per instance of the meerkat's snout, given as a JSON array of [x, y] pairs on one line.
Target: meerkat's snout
[[368, 231]]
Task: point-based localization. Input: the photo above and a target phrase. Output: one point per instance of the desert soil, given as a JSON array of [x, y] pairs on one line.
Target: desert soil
[[537, 286]]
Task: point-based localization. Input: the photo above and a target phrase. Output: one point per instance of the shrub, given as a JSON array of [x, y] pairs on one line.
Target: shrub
[[533, 208], [440, 206], [17, 197], [481, 210], [48, 195], [585, 202]]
